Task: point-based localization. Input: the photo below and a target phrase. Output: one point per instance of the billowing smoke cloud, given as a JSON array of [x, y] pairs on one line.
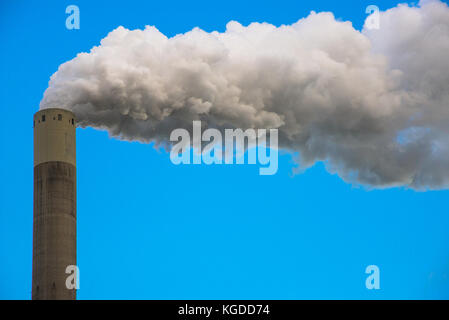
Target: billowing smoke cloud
[[373, 104]]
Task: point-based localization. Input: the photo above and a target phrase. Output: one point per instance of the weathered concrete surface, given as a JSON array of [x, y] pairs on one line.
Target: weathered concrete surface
[[54, 226], [54, 229]]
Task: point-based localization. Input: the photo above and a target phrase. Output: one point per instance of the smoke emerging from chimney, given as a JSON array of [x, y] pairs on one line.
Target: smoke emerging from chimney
[[374, 105]]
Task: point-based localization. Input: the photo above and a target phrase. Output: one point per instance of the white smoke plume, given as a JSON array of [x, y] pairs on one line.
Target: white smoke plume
[[373, 104]]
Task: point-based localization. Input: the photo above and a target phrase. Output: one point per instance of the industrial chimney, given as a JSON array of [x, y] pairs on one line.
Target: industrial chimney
[[54, 226]]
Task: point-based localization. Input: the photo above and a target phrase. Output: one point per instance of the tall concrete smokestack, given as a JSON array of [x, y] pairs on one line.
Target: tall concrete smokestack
[[54, 227]]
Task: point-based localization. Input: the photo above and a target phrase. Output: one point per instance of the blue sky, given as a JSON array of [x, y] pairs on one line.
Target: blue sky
[[148, 229]]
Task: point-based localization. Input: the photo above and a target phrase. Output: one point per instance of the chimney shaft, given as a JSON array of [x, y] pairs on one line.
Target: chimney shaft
[[54, 224]]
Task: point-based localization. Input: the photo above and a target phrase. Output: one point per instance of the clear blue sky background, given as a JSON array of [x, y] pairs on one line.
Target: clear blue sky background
[[148, 229]]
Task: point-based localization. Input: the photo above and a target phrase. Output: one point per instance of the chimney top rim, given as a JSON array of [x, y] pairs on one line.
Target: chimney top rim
[[53, 110]]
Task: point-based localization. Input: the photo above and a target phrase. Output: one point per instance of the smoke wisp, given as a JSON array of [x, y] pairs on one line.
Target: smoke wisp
[[373, 104]]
